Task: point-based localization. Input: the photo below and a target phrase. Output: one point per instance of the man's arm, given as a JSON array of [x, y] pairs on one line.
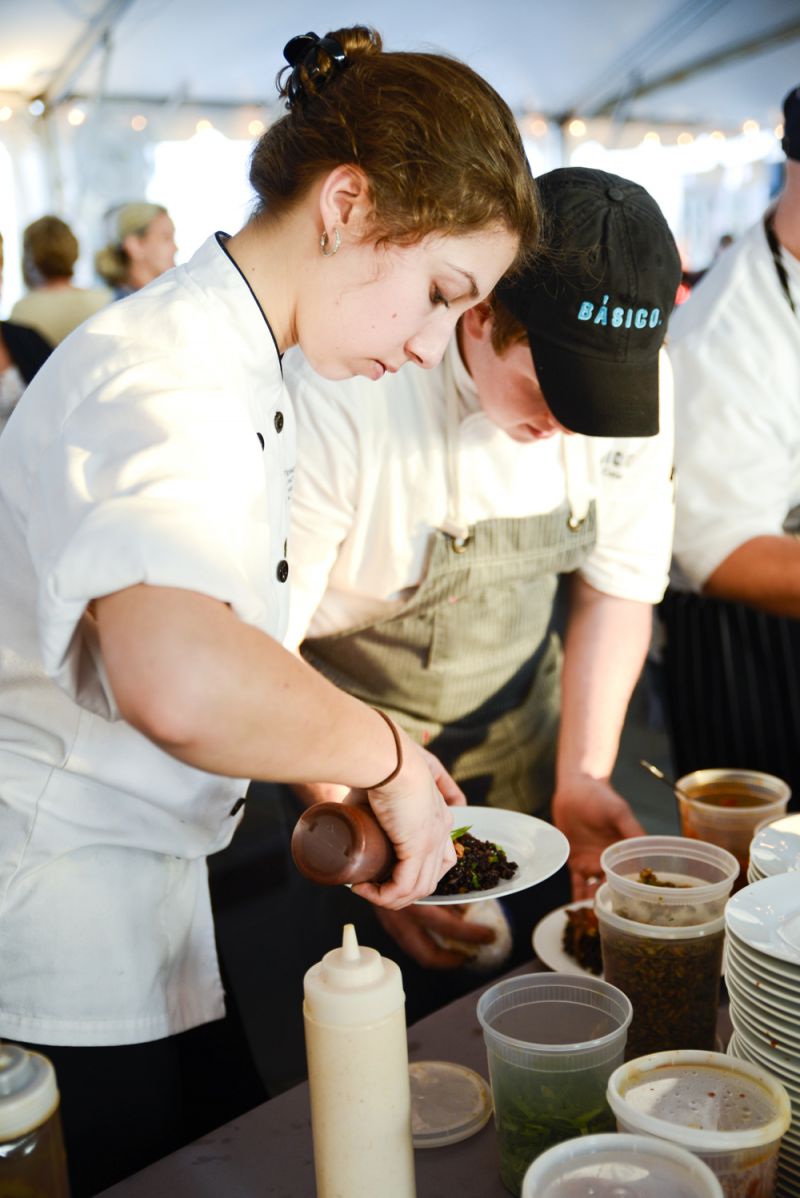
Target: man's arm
[[764, 572], [604, 651]]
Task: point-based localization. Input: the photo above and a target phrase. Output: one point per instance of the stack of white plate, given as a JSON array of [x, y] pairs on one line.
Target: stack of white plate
[[775, 849], [762, 974]]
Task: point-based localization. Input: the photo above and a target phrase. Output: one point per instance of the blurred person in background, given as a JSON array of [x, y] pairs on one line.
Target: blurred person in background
[[141, 246], [53, 306], [732, 615], [22, 352]]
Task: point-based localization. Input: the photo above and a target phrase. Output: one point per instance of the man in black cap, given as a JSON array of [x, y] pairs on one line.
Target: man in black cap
[[433, 514], [434, 511], [732, 661]]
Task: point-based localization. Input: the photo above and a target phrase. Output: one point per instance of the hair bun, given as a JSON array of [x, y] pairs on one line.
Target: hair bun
[[314, 59]]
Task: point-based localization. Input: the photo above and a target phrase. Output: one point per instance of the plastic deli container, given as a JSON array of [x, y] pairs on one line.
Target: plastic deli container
[[671, 975], [552, 1040], [728, 1112], [689, 882], [619, 1166], [725, 807]]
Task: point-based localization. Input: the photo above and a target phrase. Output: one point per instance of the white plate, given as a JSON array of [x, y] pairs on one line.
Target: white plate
[[782, 1001], [538, 848], [767, 969], [548, 940], [766, 916], [775, 849]]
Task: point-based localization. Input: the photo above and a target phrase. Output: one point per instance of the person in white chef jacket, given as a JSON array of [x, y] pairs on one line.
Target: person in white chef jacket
[[731, 660], [433, 514], [145, 480]]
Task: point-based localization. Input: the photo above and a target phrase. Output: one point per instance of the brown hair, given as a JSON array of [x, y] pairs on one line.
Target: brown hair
[[113, 262], [506, 329], [49, 251], [441, 150]]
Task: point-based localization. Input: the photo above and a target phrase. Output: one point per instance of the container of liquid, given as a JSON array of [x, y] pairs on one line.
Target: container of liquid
[[552, 1041], [32, 1158], [619, 1166], [357, 1052], [730, 1113]]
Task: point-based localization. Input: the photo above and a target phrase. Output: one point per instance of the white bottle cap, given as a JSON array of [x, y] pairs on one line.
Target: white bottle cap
[[28, 1091], [352, 985]]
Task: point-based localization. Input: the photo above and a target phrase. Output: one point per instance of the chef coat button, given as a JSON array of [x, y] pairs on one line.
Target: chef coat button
[[615, 193], [278, 422], [260, 440], [282, 570], [237, 806]]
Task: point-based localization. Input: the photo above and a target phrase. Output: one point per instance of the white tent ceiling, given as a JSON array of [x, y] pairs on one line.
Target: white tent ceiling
[[701, 62]]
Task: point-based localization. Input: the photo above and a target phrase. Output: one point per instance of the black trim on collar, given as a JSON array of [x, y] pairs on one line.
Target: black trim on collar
[[221, 239]]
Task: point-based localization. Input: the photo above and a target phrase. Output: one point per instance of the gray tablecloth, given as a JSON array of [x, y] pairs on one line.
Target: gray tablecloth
[[268, 1151]]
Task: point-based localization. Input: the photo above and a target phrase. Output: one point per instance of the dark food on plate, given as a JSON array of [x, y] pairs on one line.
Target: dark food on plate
[[581, 938], [480, 866]]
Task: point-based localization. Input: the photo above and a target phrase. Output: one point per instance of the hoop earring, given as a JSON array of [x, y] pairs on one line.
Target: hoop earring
[[325, 242]]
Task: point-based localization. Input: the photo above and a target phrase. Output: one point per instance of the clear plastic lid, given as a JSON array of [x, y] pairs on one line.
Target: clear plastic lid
[[448, 1103], [690, 881], [619, 1166]]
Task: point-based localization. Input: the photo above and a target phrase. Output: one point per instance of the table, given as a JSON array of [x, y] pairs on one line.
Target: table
[[267, 1153]]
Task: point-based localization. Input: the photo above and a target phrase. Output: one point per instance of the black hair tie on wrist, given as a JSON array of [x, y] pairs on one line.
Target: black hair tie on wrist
[[302, 54]]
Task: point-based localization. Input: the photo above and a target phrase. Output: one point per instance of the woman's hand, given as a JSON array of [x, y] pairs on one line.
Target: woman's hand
[[413, 810]]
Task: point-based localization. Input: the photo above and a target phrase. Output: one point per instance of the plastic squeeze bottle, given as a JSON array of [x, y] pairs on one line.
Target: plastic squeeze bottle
[[354, 1014], [32, 1158]]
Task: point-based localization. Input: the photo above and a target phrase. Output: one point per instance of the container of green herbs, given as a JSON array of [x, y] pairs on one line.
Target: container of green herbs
[[670, 974], [552, 1041]]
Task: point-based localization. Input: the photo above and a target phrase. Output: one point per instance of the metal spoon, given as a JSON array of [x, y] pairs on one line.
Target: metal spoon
[[662, 777]]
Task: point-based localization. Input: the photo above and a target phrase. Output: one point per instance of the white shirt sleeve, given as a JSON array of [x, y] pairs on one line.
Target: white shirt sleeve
[[148, 482], [737, 379], [326, 489], [635, 508]]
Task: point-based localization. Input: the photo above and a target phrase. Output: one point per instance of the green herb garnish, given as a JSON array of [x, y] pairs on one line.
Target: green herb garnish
[[459, 832]]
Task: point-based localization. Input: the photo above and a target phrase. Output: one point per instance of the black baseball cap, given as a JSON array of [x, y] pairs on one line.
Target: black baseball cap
[[791, 125], [596, 302]]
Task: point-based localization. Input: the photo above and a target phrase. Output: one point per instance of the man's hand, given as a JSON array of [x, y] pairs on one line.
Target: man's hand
[[411, 928], [592, 816]]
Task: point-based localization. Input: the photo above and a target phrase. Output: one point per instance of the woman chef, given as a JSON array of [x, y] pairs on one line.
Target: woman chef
[[144, 494]]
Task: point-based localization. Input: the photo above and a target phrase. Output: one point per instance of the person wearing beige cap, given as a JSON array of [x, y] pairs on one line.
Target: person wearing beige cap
[[141, 246]]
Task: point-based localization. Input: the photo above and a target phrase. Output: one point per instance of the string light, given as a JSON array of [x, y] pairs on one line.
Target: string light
[[779, 132], [76, 116], [652, 137], [138, 122], [750, 127], [577, 127], [203, 126], [536, 126], [685, 138], [256, 128], [36, 107], [6, 113], [717, 135]]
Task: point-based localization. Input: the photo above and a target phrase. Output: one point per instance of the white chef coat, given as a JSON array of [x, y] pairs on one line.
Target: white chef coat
[[149, 448], [372, 485], [735, 349]]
